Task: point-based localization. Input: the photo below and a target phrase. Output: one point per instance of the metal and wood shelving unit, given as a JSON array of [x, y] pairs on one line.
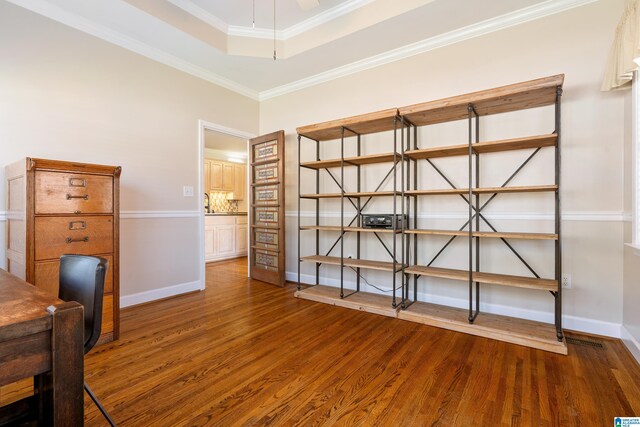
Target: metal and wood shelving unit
[[405, 123], [342, 130]]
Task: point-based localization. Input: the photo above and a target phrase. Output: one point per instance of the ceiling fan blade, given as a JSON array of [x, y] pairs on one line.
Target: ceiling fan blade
[[308, 4]]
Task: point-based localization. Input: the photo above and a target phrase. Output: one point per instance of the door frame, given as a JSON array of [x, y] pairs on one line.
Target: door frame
[[204, 125]]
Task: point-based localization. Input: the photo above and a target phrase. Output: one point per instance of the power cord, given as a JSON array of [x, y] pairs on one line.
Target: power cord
[[370, 284]]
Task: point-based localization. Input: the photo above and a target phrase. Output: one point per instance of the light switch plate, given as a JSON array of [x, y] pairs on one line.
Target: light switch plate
[[187, 190]]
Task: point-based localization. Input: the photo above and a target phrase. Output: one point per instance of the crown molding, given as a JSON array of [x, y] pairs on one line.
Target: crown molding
[[256, 33], [267, 33], [198, 12], [531, 13], [45, 8], [324, 17]]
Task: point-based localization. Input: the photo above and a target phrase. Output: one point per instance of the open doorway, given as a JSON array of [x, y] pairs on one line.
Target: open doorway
[[224, 193]]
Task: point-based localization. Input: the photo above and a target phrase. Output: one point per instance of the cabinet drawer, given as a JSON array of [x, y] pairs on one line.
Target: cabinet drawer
[[73, 235], [241, 220], [48, 276], [60, 192], [107, 314]]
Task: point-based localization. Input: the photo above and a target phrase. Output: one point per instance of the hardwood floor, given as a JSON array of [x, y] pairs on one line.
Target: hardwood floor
[[248, 353]]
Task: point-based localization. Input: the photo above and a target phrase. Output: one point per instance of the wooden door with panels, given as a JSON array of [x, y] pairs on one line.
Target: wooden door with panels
[[266, 207]]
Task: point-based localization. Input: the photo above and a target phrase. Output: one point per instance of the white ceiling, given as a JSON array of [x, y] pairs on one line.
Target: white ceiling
[[213, 39]]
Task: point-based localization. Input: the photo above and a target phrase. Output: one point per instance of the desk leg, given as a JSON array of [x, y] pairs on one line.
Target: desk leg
[[62, 389]]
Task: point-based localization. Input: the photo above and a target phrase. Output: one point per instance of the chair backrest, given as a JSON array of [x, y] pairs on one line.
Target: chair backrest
[[82, 280]]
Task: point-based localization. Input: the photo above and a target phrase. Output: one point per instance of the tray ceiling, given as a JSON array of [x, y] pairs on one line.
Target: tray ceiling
[[214, 40]]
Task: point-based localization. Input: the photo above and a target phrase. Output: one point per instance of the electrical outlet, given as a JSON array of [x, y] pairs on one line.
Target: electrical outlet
[[187, 191], [566, 281]]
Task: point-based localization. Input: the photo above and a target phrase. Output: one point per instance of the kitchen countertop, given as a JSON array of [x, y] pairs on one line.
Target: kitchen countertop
[[226, 214]]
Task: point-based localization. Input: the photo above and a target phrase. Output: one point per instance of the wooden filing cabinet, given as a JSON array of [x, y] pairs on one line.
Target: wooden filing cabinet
[[58, 207]]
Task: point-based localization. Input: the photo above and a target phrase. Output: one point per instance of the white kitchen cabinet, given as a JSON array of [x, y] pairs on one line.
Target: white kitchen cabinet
[[241, 238], [225, 236], [225, 240], [209, 240]]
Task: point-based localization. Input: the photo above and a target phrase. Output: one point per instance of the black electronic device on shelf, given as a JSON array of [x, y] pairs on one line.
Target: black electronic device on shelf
[[382, 220]]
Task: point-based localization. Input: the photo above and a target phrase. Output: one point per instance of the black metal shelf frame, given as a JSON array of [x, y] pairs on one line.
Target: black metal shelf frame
[[475, 215], [399, 127]]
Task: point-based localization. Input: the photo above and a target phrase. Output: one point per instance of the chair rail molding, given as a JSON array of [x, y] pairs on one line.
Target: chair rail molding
[[158, 214]]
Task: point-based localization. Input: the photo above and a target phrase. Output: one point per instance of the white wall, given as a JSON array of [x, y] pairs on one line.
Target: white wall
[[631, 287], [575, 43], [67, 95]]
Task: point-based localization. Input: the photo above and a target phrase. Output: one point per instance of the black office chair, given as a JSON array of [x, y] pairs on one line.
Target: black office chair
[[82, 280]]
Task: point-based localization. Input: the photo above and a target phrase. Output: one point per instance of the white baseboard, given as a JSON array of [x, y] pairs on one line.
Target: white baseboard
[[155, 294], [632, 344], [573, 323]]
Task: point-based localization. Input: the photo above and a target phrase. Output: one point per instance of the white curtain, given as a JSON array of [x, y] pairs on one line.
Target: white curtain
[[625, 50]]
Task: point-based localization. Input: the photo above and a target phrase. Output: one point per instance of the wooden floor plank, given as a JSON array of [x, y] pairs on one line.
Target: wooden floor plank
[[244, 352]]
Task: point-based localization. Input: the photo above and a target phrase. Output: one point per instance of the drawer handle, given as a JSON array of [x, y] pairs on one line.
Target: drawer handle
[[70, 240], [85, 197], [77, 182], [77, 225]]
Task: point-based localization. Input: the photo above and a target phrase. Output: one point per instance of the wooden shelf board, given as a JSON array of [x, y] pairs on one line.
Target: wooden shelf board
[[350, 262], [516, 143], [437, 192], [485, 147], [520, 189], [362, 301], [435, 152], [508, 329], [350, 229], [379, 121], [489, 234], [519, 96], [444, 273], [437, 232], [351, 161], [488, 190], [514, 235], [351, 195], [490, 278]]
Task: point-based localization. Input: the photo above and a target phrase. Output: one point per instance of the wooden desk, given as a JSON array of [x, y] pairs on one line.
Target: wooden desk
[[41, 337]]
